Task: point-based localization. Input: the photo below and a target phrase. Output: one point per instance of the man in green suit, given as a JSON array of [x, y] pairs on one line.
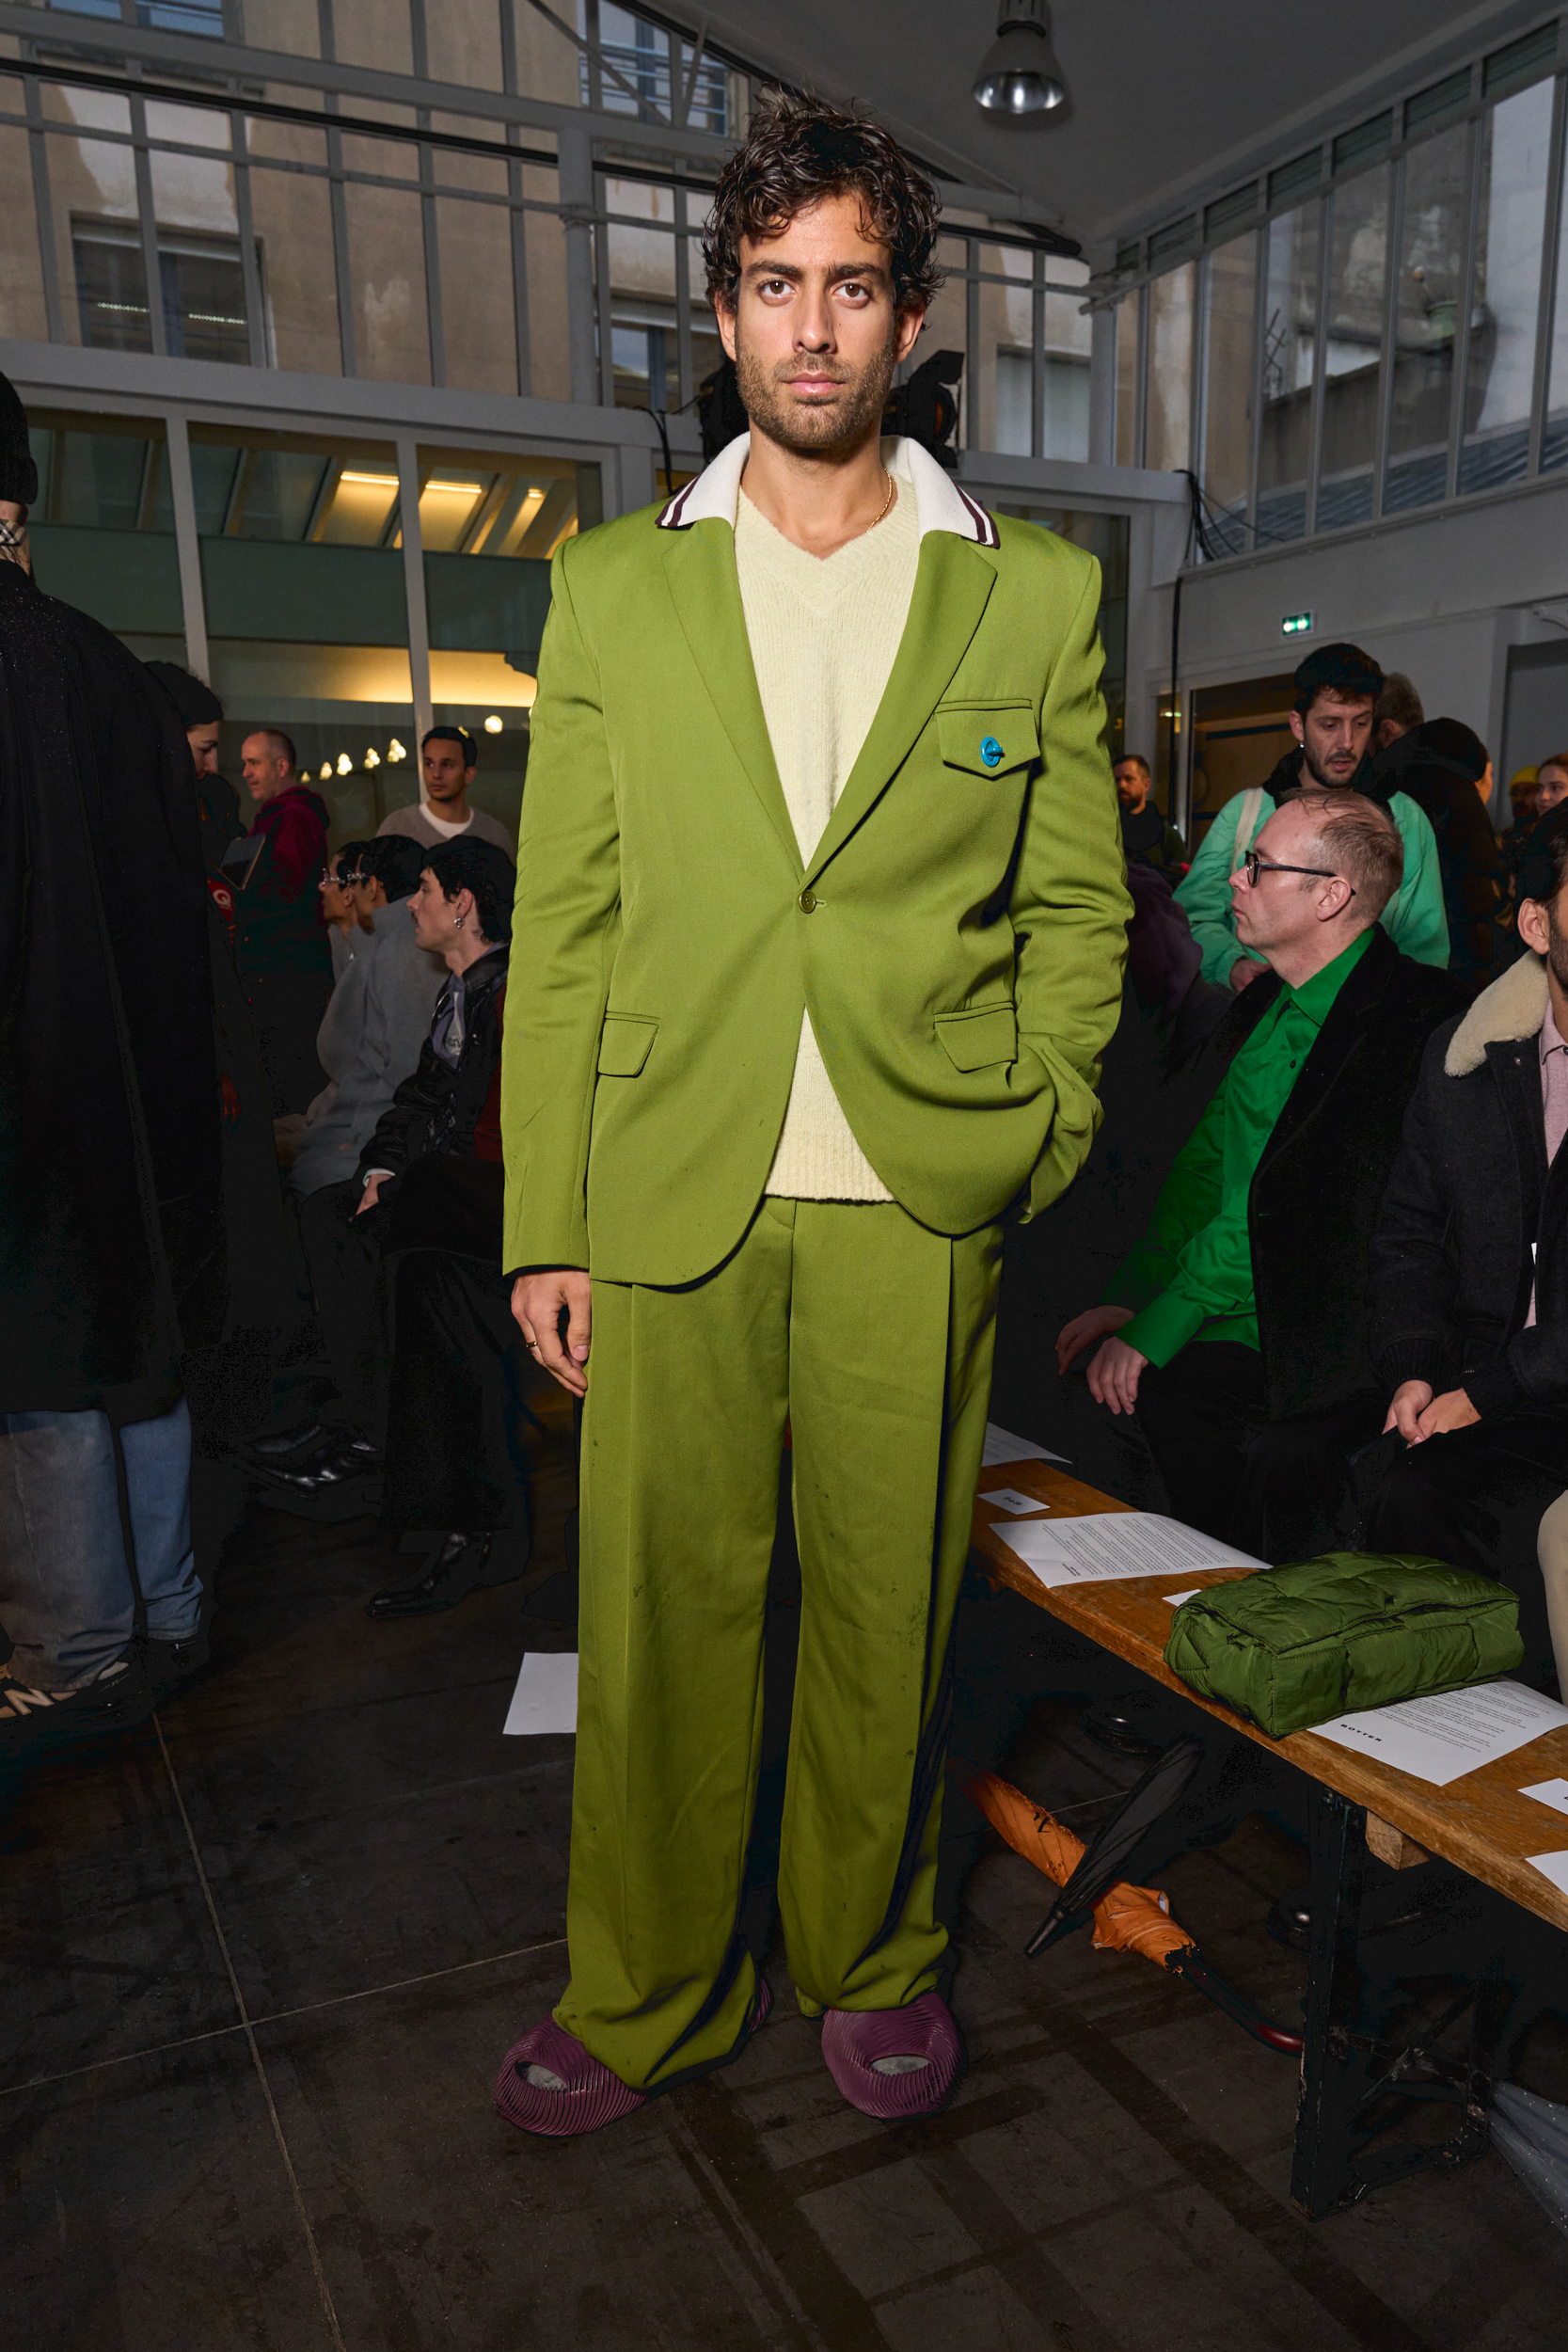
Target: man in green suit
[[818, 939]]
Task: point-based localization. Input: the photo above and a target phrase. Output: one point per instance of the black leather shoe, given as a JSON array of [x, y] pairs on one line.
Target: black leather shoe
[[463, 1562], [33, 1721], [334, 1465], [1114, 1725], [171, 1664], [1290, 1920], [283, 1442]]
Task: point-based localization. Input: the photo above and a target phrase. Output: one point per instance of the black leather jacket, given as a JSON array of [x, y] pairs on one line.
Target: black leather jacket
[[438, 1107]]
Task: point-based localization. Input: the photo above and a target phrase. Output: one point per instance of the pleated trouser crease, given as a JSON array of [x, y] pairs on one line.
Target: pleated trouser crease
[[871, 1337]]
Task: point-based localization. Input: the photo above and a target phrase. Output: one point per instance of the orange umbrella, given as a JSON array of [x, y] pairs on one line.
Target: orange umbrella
[[1126, 1918]]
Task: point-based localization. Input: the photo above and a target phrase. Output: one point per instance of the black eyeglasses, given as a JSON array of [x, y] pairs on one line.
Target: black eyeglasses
[[1256, 865]]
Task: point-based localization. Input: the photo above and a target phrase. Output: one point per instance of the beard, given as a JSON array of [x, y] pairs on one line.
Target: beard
[[1324, 782], [1557, 952], [813, 429]]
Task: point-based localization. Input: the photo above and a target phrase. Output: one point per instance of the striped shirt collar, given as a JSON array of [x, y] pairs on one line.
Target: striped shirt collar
[[939, 502]]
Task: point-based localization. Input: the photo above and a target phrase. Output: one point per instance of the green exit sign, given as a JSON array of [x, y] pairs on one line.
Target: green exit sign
[[1297, 624]]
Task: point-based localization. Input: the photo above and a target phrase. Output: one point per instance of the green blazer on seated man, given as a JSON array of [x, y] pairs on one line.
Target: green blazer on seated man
[[956, 935], [693, 970]]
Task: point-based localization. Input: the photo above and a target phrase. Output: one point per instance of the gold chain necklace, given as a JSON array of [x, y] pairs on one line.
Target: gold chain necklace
[[887, 502]]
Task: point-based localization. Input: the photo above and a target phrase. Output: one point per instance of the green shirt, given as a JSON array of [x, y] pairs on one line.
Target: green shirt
[[1190, 1275]]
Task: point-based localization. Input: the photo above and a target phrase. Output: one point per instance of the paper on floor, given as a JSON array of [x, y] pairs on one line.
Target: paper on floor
[[1439, 1740], [1551, 1866], [1112, 1544], [1552, 1792], [546, 1698], [1009, 1498], [1002, 1446]]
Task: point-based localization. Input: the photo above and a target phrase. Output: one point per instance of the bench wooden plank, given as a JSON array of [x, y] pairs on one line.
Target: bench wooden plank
[[1481, 1824]]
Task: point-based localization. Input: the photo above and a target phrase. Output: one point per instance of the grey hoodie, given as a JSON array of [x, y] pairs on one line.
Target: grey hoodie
[[400, 987]]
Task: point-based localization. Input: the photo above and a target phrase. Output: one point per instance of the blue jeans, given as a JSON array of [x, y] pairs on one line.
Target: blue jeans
[[68, 1595]]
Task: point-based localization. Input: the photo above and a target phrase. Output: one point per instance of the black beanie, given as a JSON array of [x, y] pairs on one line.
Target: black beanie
[[196, 704], [19, 476]]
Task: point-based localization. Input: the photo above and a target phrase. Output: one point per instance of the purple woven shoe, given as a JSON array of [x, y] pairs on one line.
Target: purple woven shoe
[[550, 2084], [869, 2053]]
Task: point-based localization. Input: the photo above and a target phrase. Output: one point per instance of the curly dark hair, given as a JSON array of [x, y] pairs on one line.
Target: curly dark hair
[[799, 151]]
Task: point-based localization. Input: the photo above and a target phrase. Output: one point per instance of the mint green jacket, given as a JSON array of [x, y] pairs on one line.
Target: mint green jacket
[[958, 935], [1414, 917]]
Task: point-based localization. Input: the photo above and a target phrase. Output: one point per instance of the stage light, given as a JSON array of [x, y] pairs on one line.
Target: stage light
[[1019, 75], [492, 725]]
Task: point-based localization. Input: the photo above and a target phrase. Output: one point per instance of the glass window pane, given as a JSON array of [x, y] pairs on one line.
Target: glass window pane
[[290, 27], [545, 250], [292, 217], [1168, 430], [22, 311], [306, 612], [102, 527], [1128, 454], [638, 54], [1432, 254], [1352, 358], [478, 328], [386, 248], [547, 60], [375, 33], [110, 274], [1232, 306], [1505, 299], [92, 186], [463, 45], [1289, 369], [642, 296], [490, 522], [202, 280], [1067, 374]]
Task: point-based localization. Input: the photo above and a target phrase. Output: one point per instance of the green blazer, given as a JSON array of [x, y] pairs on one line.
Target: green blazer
[[958, 935]]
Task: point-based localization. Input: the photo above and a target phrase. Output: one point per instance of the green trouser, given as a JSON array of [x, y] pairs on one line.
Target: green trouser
[[872, 1336]]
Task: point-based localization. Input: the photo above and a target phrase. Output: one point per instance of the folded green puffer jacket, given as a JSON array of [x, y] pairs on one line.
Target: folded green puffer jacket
[[1353, 1630]]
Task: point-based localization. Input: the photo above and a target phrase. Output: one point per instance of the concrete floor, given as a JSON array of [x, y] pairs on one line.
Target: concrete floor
[[260, 1961]]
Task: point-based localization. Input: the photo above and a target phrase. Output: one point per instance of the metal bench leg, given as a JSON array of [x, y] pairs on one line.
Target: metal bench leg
[[1355, 2084]]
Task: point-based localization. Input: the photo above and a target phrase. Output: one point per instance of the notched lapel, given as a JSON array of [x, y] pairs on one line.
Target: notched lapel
[[952, 587], [705, 592]]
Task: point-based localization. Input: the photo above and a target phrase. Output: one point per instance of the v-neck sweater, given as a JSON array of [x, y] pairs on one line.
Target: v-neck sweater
[[824, 632]]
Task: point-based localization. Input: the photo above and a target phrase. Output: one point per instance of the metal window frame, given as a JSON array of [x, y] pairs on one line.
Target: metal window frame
[[1390, 332], [1462, 309], [1551, 265], [1325, 200]]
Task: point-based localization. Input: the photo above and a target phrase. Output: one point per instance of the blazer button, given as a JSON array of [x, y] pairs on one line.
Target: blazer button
[[991, 752], [807, 902]]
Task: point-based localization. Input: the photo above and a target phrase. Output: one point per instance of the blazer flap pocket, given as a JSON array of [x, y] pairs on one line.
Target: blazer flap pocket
[[988, 742], [624, 1044], [978, 1038]]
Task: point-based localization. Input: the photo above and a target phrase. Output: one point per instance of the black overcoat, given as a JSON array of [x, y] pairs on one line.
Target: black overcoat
[[1473, 1214], [111, 1231]]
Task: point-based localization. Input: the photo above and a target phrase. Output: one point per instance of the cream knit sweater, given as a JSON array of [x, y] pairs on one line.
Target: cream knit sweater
[[823, 632]]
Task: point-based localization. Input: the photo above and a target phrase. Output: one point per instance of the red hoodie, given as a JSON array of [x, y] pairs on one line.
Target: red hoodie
[[281, 927]]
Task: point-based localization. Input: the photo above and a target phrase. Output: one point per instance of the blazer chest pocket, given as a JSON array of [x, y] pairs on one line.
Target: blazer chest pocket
[[988, 738], [625, 1042], [981, 1038]]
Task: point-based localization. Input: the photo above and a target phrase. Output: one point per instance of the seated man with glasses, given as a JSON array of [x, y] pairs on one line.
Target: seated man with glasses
[[1237, 1329]]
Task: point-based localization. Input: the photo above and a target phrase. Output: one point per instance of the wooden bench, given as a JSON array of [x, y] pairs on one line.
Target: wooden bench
[[1477, 1833]]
